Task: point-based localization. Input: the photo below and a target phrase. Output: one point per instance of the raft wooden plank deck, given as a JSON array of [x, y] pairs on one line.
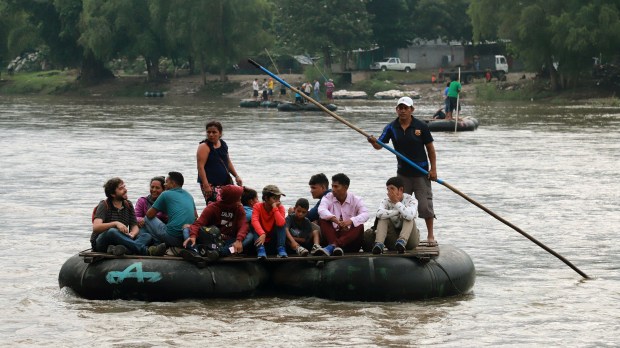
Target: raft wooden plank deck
[[421, 252]]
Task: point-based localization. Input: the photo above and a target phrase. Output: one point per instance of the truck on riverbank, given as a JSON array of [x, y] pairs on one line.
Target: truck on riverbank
[[487, 67], [392, 63]]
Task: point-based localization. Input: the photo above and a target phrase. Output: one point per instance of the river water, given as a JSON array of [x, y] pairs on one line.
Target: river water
[[552, 170]]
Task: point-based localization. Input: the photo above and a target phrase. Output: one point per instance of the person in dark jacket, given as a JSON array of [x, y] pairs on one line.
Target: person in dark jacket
[[225, 220]]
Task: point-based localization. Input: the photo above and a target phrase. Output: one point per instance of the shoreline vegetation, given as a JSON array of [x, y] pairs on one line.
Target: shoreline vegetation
[[517, 87]]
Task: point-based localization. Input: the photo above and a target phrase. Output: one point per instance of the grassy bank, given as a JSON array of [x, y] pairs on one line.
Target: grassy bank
[[530, 90], [56, 82], [388, 80], [42, 82], [540, 90], [218, 88]]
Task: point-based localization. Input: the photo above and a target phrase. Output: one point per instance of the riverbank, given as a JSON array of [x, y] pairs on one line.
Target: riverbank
[[518, 86]]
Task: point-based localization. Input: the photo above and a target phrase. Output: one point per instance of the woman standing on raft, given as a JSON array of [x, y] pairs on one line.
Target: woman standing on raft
[[214, 164]]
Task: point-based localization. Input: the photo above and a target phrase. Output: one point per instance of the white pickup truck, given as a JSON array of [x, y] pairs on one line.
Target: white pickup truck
[[392, 63]]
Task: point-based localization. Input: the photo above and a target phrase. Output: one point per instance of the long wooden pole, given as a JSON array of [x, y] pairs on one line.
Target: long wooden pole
[[440, 181], [458, 95], [272, 62], [317, 68]]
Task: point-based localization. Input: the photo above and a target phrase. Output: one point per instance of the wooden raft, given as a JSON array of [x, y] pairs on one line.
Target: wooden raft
[[423, 252]]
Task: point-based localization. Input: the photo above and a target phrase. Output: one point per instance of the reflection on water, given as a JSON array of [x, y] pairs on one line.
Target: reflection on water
[[551, 170]]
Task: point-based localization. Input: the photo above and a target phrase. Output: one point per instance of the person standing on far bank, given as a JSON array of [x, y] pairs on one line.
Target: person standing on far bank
[[412, 138]]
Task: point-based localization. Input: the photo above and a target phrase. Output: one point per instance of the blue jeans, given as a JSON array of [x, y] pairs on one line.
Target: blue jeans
[[247, 243], [224, 249], [279, 241], [157, 230], [115, 237]]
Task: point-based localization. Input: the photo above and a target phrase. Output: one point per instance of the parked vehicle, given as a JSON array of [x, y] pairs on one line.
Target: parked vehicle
[[484, 67], [392, 63], [607, 75]]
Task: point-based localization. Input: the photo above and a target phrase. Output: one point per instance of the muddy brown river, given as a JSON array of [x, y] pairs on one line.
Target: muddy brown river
[[553, 170]]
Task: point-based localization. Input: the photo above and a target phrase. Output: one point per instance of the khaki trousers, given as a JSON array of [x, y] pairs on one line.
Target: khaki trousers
[[387, 234]]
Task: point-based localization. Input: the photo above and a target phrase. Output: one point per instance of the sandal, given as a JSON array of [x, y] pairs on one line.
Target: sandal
[[432, 243]]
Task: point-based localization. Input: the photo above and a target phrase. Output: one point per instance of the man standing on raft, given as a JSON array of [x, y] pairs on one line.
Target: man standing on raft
[[412, 138]]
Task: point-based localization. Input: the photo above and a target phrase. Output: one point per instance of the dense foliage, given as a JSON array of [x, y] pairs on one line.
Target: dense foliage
[[562, 36], [217, 34]]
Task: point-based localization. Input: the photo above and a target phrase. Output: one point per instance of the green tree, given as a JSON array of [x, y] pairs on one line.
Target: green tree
[[583, 31], [398, 23], [549, 32], [119, 28], [219, 33], [51, 26], [64, 45], [392, 23], [325, 26], [26, 25], [4, 33], [441, 19], [97, 38], [152, 42], [231, 42], [181, 22]]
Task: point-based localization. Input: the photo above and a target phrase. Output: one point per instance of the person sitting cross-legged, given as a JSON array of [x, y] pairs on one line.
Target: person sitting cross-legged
[[396, 219], [342, 218], [115, 228], [179, 205], [143, 204], [228, 216]]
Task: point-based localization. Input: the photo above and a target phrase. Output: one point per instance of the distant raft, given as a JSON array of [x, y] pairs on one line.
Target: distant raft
[[395, 94], [344, 94], [253, 103], [380, 278], [466, 123], [304, 107]]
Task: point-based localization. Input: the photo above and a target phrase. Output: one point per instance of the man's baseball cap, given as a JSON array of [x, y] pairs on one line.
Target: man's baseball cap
[[405, 100]]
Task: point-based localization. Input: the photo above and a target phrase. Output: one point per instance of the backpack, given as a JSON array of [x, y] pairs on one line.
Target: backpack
[[209, 238], [125, 202]]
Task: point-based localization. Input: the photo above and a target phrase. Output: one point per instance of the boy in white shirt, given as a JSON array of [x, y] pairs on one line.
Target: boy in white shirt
[[396, 219]]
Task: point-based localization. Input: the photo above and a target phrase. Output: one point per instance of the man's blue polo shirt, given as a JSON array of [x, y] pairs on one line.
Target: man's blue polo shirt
[[410, 143]]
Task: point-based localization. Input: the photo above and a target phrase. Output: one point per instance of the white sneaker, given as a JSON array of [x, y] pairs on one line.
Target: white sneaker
[[315, 248], [301, 251]]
